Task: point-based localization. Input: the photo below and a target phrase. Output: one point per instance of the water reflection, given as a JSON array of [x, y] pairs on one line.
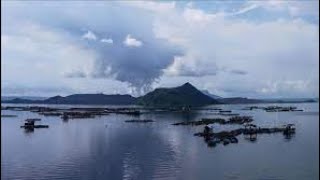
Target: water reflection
[[141, 153], [86, 149], [28, 130], [65, 120], [289, 136], [251, 137]]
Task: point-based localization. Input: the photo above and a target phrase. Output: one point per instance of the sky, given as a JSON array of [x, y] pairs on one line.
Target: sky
[[256, 49]]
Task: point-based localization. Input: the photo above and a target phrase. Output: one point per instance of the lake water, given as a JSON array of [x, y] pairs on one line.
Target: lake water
[[88, 149]]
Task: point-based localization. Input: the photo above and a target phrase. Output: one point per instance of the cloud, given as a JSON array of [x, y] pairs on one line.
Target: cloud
[[292, 8], [198, 16], [272, 41], [75, 74], [140, 67], [288, 88], [132, 42], [245, 9], [214, 41], [108, 41], [44, 54], [239, 72], [152, 6], [190, 67], [89, 35], [135, 68], [35, 90]]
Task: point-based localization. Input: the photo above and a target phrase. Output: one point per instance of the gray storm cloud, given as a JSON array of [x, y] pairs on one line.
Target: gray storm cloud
[[137, 66], [239, 72], [135, 56]]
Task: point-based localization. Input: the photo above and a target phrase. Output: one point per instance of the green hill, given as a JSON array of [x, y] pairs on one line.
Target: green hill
[[185, 95]]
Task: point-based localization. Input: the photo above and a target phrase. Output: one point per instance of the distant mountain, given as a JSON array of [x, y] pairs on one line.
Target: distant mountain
[[206, 92], [239, 100], [185, 95], [6, 98], [290, 100], [242, 100], [21, 101], [94, 99], [98, 99]]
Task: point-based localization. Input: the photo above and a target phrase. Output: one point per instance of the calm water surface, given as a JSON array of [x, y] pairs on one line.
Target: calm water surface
[[88, 149]]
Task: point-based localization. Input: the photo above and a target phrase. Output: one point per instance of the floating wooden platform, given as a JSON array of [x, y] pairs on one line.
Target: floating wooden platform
[[34, 126], [227, 137], [139, 121]]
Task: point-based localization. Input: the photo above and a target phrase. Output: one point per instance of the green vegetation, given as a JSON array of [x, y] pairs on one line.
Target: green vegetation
[[182, 96]]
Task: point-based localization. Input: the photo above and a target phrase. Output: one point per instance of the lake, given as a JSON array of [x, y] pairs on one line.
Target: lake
[[108, 148]]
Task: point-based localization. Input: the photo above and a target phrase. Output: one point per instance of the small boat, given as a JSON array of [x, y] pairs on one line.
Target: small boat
[[289, 129], [225, 111], [29, 124], [139, 121]]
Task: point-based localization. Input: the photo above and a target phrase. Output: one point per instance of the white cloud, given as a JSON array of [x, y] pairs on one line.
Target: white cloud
[[39, 56], [132, 42], [190, 67], [246, 9], [151, 5], [293, 8], [290, 87], [4, 40], [263, 50], [108, 41], [198, 16], [89, 35]]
